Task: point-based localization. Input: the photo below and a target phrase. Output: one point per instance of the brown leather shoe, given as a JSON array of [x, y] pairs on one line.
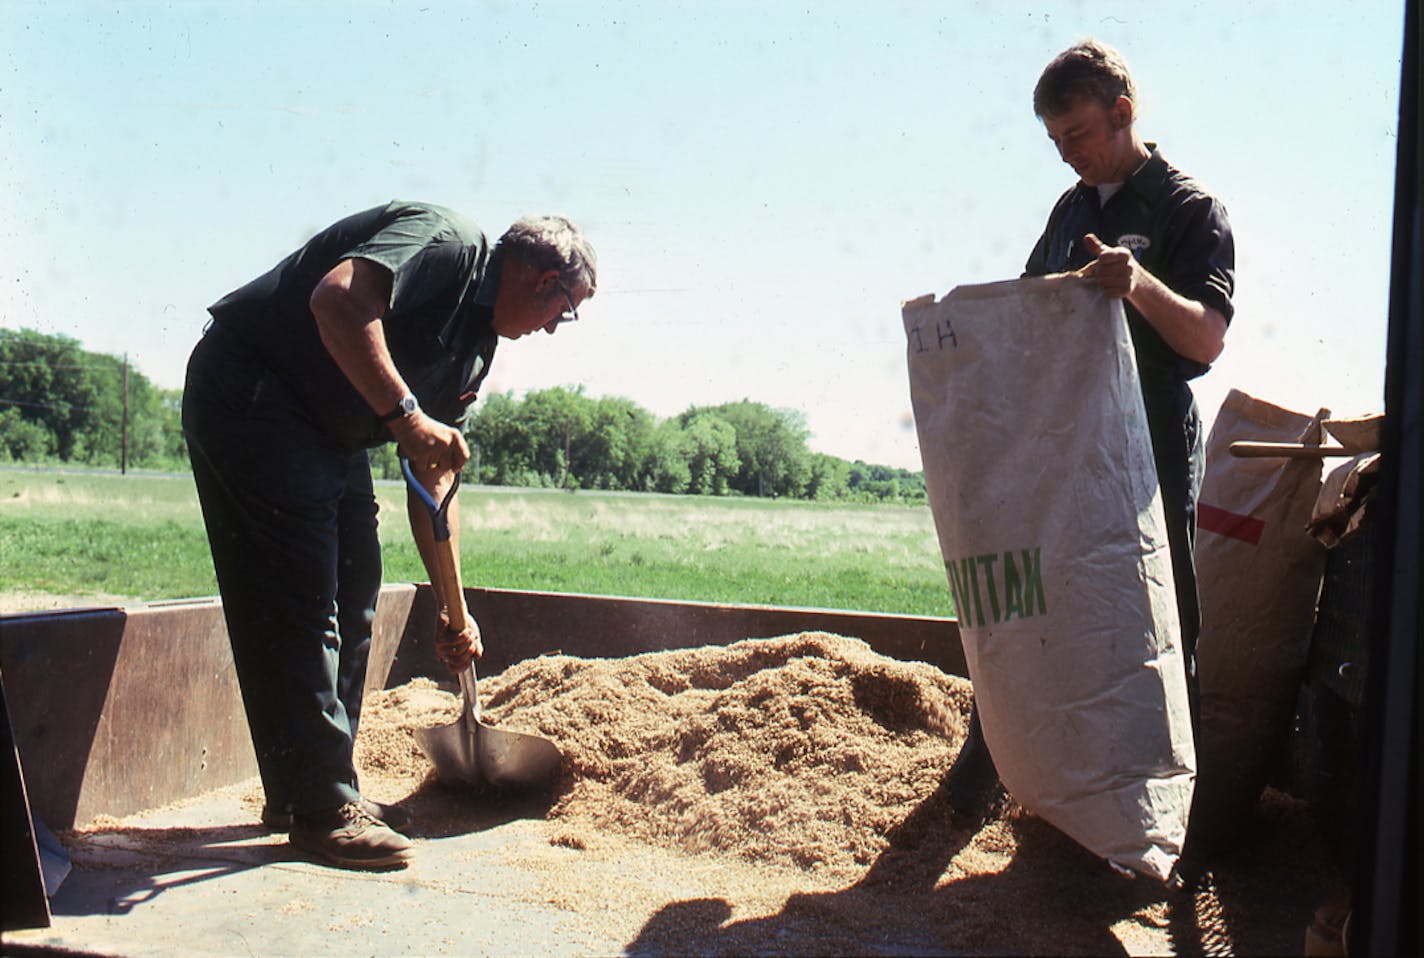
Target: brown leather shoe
[[392, 816], [350, 837]]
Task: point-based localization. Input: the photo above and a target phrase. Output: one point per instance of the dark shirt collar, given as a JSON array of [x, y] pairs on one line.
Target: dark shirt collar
[[488, 288], [1146, 181], [1150, 176], [469, 327]]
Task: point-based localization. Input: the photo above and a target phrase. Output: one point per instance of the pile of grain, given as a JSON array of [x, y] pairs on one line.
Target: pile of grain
[[802, 750]]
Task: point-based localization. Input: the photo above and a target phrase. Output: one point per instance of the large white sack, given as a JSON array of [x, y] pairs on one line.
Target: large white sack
[[1039, 469]]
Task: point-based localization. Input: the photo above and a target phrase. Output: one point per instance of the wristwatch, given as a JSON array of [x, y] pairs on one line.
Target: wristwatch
[[405, 407]]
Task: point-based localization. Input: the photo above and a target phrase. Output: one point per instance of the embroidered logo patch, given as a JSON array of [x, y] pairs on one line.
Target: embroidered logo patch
[[1135, 242]]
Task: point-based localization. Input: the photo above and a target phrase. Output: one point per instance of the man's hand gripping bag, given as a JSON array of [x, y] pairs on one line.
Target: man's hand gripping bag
[[1041, 479]]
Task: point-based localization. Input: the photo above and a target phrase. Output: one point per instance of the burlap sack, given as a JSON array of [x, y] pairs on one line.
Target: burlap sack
[[1348, 490], [1040, 475], [1258, 577]]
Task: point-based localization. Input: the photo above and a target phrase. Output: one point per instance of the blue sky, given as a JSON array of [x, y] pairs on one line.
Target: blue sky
[[764, 182]]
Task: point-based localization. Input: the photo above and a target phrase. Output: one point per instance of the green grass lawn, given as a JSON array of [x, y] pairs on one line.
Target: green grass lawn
[[141, 538]]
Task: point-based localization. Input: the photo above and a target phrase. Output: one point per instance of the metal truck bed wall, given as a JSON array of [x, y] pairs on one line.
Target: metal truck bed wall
[[117, 710]]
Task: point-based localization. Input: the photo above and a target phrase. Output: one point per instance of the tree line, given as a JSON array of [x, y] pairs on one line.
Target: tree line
[[59, 402], [62, 403]]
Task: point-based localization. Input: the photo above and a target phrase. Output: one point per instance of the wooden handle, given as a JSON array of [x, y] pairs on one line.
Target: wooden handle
[[1285, 450], [448, 568], [447, 562]]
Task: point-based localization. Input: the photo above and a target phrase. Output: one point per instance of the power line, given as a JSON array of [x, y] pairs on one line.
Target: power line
[[17, 362], [34, 405]]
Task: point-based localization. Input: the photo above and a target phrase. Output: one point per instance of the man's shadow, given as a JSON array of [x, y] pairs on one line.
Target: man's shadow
[[1054, 897], [120, 869], [123, 868]]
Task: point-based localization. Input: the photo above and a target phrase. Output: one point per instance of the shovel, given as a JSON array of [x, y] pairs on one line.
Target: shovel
[[469, 752]]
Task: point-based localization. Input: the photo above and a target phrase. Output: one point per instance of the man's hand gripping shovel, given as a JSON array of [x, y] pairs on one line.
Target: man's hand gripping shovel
[[469, 752]]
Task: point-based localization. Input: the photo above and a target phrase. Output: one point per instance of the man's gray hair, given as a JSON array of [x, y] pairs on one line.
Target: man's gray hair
[[554, 242]]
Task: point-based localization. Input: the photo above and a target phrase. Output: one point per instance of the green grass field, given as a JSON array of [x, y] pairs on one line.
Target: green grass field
[[141, 538]]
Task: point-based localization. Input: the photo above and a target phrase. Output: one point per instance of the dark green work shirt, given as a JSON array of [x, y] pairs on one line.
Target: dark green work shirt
[[437, 328], [1177, 231]]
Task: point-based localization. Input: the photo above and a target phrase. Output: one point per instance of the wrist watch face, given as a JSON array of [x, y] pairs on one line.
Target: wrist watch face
[[405, 407]]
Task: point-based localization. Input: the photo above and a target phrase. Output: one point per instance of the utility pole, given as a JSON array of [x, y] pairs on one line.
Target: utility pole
[[124, 427], [568, 428]]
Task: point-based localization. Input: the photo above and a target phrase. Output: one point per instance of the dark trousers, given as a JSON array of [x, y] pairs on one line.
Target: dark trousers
[[1179, 450], [291, 521]]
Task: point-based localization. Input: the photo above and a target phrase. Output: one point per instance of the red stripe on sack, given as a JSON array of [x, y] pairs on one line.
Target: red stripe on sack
[[1232, 524]]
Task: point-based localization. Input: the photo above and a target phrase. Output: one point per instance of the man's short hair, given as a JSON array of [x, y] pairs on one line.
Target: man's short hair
[[1087, 70], [554, 242]]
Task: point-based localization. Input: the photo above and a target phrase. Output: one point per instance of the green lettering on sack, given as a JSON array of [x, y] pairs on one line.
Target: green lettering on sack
[[969, 570], [987, 562], [956, 591], [1013, 589], [1018, 580], [1033, 581]]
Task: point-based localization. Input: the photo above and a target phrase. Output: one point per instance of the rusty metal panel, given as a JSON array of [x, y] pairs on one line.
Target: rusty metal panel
[[120, 710], [173, 715], [58, 668]]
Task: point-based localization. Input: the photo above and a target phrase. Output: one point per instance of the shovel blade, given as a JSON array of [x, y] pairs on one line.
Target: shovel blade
[[471, 753], [453, 752], [514, 760]]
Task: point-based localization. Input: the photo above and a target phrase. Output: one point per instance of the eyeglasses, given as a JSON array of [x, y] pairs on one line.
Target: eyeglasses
[[571, 314]]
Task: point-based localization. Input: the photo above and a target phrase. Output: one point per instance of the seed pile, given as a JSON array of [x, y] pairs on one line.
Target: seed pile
[[737, 801], [802, 750]]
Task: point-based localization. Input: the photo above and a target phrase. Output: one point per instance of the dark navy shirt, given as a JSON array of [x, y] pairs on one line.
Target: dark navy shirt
[[437, 327], [1180, 234], [1177, 231]]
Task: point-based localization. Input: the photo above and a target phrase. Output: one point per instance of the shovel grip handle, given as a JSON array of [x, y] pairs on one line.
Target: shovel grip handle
[[439, 511], [447, 563]]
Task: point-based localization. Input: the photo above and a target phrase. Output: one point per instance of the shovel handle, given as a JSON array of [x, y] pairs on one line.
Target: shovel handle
[[468, 692], [1285, 450], [447, 568], [439, 511], [447, 563]]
